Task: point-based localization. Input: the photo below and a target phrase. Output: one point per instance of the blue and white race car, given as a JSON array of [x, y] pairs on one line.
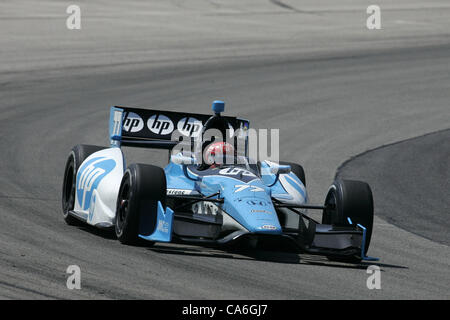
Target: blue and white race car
[[221, 203]]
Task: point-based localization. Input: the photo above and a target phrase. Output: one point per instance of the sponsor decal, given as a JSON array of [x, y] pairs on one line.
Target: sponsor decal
[[261, 211], [163, 226], [89, 176], [268, 227], [262, 203], [117, 117], [132, 122], [160, 124], [205, 207], [190, 126], [180, 192]]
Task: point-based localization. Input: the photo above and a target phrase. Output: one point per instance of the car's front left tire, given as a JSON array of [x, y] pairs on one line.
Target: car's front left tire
[[78, 154]]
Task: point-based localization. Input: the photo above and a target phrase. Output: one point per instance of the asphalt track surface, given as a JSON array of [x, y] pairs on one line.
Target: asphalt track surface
[[416, 199], [312, 69]]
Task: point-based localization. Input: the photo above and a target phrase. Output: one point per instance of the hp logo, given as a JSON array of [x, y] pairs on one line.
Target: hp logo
[[190, 127], [132, 122], [160, 124]]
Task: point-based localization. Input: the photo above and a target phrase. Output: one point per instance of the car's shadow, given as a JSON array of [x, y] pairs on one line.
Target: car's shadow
[[103, 233], [262, 255], [239, 253]]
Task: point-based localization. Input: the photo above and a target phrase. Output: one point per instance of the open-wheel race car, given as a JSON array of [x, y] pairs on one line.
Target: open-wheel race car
[[206, 201]]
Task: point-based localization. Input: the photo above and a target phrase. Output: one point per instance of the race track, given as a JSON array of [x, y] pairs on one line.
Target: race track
[[334, 88], [416, 198]]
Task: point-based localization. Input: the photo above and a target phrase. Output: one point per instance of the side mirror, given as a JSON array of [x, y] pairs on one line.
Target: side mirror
[[180, 159], [270, 171], [280, 169]]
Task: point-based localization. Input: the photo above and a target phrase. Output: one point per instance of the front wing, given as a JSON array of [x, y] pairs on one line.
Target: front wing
[[314, 238]]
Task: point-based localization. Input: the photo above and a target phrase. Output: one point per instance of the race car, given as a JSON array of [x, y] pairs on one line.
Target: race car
[[234, 202]]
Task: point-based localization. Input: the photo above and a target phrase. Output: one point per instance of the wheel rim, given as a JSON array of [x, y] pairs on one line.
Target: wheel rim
[[123, 206]]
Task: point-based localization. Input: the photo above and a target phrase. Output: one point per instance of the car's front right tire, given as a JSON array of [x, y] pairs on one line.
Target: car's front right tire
[[141, 188], [349, 202]]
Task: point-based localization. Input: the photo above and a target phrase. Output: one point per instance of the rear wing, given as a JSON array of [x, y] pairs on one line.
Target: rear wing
[[145, 128]]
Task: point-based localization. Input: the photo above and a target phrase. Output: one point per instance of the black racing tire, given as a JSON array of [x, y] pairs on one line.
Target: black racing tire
[[141, 188], [349, 199], [297, 170], [76, 157]]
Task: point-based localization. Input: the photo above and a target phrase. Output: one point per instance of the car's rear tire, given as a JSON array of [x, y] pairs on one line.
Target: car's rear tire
[[76, 157], [141, 188], [349, 199], [297, 170]]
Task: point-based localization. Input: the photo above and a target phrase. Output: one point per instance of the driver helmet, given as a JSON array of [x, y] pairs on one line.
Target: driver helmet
[[218, 153]]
